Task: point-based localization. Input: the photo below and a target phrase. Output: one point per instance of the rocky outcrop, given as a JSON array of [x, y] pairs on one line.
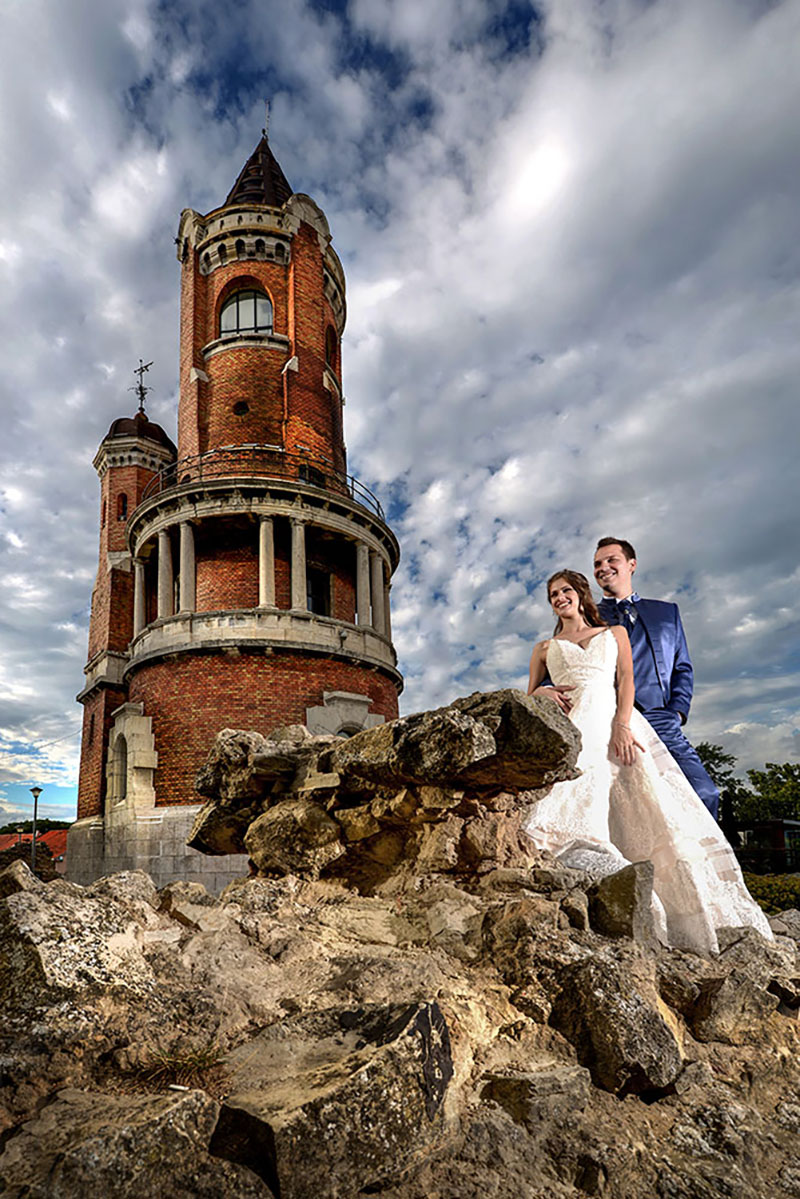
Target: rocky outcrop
[[435, 1009], [434, 791]]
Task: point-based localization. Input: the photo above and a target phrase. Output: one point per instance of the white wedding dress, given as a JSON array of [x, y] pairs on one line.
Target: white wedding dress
[[613, 815]]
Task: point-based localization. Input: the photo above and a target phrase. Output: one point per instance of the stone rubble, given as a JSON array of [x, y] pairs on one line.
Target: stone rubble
[[406, 1000]]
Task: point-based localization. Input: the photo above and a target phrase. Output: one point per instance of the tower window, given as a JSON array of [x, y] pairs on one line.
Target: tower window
[[240, 250], [246, 312], [331, 345], [122, 506], [223, 254], [318, 591], [310, 474]]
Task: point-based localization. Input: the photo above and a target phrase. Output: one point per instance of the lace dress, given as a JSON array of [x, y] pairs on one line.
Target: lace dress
[[613, 815]]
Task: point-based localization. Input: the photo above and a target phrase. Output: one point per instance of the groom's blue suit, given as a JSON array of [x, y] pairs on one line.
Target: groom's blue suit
[[663, 676]]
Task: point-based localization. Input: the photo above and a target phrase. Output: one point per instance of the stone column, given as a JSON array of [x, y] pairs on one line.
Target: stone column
[[266, 563], [387, 618], [165, 583], [362, 583], [378, 601], [299, 585], [187, 575], [139, 599]]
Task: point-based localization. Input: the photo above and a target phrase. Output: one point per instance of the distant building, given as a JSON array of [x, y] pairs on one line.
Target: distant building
[[244, 576]]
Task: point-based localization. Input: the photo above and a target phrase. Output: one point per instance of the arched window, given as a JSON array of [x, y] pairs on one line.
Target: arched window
[[122, 506], [240, 250], [245, 312], [331, 346]]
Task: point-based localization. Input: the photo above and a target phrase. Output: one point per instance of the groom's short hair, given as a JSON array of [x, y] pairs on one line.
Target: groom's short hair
[[624, 545]]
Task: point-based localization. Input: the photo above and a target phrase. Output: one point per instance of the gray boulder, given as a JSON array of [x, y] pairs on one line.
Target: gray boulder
[[116, 1146], [328, 1104], [609, 1010]]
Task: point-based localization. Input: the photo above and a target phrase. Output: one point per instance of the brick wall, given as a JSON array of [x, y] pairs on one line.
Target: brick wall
[[94, 743], [192, 697], [226, 566]]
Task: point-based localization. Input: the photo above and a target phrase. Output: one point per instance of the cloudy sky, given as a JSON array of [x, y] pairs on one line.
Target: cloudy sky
[[571, 234]]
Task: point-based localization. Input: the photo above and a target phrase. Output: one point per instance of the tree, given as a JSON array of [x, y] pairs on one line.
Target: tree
[[43, 825], [719, 764], [776, 791]]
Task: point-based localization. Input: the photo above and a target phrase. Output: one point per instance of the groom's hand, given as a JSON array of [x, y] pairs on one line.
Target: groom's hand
[[558, 695]]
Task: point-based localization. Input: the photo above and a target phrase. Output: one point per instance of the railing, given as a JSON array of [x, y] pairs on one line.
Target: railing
[[263, 462]]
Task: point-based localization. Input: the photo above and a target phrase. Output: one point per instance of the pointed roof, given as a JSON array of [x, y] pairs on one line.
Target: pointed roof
[[261, 180]]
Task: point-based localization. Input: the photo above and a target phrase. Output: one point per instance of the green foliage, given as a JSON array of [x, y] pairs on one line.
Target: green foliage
[[774, 892], [719, 764], [777, 791], [42, 826]]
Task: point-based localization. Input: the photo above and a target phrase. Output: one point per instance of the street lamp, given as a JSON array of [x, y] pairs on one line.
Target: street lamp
[[35, 792]]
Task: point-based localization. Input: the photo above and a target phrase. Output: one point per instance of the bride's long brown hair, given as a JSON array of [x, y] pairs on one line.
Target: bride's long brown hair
[[586, 605]]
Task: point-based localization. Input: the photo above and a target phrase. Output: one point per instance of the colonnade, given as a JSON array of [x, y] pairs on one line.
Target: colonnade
[[372, 577]]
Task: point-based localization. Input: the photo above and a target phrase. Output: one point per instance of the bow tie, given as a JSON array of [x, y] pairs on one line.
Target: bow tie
[[624, 608]]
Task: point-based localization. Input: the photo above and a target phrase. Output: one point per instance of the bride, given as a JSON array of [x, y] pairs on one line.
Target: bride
[[632, 802]]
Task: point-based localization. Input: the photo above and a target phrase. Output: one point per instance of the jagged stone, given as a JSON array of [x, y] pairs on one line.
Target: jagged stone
[[786, 924], [620, 905], [536, 745], [731, 1009], [428, 747], [56, 944], [228, 775], [575, 906], [357, 823], [118, 1146], [331, 1103], [18, 877], [534, 1095], [133, 890], [609, 1011], [220, 829], [294, 837]]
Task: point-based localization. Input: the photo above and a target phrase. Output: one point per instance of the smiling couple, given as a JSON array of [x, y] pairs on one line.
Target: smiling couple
[[621, 671]]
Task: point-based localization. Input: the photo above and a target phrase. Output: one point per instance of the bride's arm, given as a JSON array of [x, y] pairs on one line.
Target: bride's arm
[[538, 668], [558, 694], [622, 739]]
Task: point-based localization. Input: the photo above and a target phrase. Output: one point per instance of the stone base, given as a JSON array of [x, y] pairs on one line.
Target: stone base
[[151, 839]]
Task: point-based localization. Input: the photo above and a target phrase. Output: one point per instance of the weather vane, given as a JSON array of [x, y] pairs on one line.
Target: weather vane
[[265, 130], [140, 388]]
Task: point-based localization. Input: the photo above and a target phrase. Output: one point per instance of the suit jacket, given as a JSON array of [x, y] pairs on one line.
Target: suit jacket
[[662, 670]]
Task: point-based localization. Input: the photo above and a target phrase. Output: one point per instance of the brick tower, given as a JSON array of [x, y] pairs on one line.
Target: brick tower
[[244, 575]]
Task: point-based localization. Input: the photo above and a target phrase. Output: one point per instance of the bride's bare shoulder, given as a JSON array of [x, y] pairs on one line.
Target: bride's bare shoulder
[[540, 648]]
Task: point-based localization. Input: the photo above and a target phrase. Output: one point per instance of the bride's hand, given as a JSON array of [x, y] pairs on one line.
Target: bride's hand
[[624, 743]]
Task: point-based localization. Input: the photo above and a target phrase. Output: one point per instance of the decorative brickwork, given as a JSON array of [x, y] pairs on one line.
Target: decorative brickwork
[[191, 698]]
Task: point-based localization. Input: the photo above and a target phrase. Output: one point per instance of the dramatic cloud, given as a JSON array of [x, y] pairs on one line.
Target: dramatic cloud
[[572, 245]]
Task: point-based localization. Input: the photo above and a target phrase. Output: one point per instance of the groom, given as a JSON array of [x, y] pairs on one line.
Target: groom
[[662, 670]]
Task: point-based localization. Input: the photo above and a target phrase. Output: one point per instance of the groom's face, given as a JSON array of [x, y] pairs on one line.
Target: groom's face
[[613, 571]]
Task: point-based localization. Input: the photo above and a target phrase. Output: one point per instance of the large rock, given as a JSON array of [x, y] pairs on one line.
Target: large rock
[[54, 943], [328, 1104], [535, 744], [502, 740], [294, 837], [114, 1146], [621, 904], [610, 1011]]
